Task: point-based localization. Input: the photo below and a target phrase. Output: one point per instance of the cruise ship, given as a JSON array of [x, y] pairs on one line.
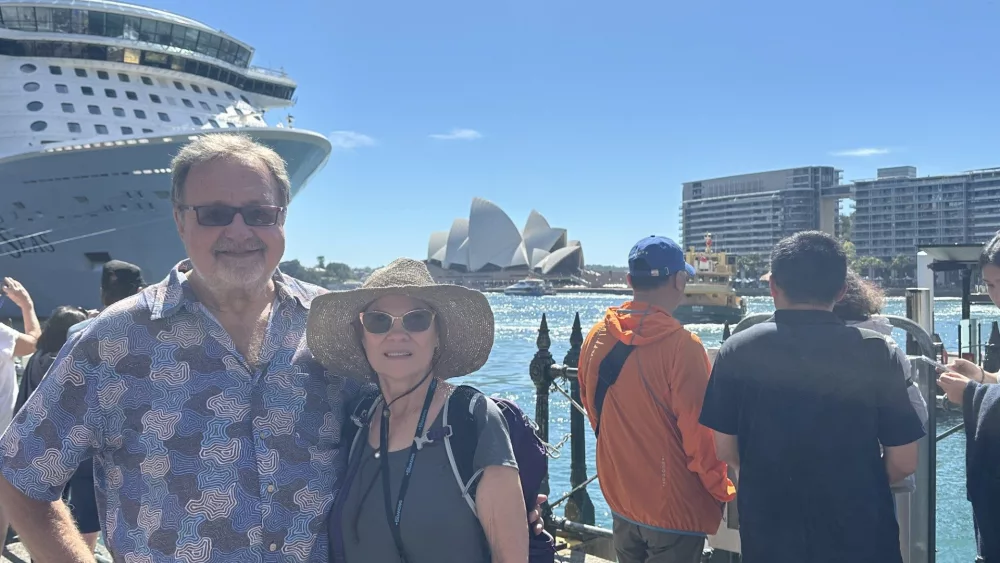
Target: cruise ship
[[96, 97]]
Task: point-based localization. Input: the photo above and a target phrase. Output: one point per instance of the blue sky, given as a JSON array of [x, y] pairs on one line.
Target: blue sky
[[594, 113]]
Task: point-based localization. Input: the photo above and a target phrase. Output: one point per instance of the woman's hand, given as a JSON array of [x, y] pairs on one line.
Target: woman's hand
[[954, 385], [971, 371], [500, 507]]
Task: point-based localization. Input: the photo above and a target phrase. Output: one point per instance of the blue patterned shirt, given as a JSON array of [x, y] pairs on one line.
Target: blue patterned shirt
[[198, 457]]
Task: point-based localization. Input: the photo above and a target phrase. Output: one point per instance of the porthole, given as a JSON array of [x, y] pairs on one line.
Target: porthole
[[31, 87], [39, 126], [28, 68], [35, 106]]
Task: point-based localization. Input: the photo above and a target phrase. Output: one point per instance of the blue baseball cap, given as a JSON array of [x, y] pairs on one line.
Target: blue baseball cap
[[656, 256]]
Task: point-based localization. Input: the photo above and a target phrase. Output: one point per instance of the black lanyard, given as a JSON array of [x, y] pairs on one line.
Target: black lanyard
[[383, 447]]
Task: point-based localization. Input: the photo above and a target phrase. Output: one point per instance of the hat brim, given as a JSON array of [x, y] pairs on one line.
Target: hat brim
[[466, 325], [690, 269]]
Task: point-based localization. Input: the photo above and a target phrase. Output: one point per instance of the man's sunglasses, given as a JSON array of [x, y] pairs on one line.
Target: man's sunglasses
[[218, 215], [377, 322]]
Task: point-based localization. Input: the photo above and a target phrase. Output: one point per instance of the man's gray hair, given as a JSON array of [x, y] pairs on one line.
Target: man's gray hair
[[236, 147]]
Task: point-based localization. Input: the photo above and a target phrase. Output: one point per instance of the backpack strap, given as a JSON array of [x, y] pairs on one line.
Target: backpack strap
[[359, 419], [458, 420], [607, 374]]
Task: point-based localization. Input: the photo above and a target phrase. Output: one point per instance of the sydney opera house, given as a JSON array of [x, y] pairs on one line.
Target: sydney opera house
[[489, 242]]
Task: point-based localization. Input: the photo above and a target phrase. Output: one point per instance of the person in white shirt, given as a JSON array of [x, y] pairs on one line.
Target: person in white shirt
[[14, 343]]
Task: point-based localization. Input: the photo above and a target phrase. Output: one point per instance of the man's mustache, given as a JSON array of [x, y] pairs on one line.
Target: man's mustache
[[233, 246]]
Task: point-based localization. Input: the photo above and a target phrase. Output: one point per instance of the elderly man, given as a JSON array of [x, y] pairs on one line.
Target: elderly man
[[215, 433]]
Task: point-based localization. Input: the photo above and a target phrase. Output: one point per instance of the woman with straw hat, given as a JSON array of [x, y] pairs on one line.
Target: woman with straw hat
[[400, 500]]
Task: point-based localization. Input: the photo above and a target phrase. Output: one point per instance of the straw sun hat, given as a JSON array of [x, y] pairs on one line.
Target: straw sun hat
[[465, 321]]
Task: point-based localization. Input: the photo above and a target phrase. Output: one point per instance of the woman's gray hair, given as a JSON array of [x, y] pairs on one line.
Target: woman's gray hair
[[237, 147]]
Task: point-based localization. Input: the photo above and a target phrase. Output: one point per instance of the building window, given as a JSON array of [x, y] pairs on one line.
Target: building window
[[196, 89], [101, 129], [94, 110], [28, 69], [163, 116], [147, 81], [87, 90], [196, 120], [187, 103], [39, 126], [57, 70], [123, 77], [35, 106], [213, 92], [68, 108], [205, 106], [155, 99], [31, 86], [140, 114], [110, 93], [126, 130], [178, 85], [119, 112], [74, 127], [132, 96], [80, 72], [62, 89]]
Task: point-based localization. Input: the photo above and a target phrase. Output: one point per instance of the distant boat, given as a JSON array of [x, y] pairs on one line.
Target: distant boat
[[530, 287], [710, 297]]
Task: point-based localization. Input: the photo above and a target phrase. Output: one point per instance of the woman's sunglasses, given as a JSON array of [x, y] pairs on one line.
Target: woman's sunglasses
[[377, 322], [218, 215]]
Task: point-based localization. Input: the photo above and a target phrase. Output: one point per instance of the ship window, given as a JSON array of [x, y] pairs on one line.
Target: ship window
[[109, 92], [119, 112], [82, 73], [155, 99], [196, 88], [205, 106], [171, 101], [123, 77], [87, 90], [196, 121], [101, 129], [221, 107], [178, 85], [68, 108], [74, 127], [102, 74], [230, 95], [19, 205], [214, 123], [244, 98], [187, 103], [131, 95], [62, 89], [35, 106], [126, 130], [163, 116], [55, 70], [39, 126], [94, 110], [147, 81], [28, 68], [213, 92], [147, 130], [140, 114], [32, 87]]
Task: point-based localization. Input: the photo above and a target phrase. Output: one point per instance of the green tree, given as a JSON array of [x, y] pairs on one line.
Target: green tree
[[871, 264], [338, 272], [321, 262], [852, 255], [903, 265]]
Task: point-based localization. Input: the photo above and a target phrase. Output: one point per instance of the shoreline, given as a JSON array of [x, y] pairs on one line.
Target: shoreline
[[746, 292]]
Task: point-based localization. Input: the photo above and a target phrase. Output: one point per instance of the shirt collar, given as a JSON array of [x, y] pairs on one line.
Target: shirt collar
[[806, 316], [175, 292]]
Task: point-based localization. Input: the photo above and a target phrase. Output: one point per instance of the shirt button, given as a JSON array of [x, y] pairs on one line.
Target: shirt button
[[274, 547], [270, 488]]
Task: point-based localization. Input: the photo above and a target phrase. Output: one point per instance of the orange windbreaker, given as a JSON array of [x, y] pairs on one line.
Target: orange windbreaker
[[655, 467]]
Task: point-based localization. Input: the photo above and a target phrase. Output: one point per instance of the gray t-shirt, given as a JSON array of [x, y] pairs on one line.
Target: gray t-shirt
[[437, 525]]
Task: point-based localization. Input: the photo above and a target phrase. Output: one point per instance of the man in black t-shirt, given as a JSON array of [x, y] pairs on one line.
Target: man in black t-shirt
[[803, 407]]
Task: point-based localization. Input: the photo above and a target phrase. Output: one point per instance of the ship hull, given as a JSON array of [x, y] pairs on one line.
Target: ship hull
[[708, 314], [67, 209]]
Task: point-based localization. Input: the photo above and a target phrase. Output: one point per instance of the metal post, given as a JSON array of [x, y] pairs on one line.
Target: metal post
[[541, 376], [991, 361], [967, 294], [579, 507], [919, 309]]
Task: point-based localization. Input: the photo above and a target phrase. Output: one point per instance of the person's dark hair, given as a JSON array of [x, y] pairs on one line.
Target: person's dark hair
[[990, 256], [120, 280], [809, 267], [862, 299], [54, 334], [647, 283]]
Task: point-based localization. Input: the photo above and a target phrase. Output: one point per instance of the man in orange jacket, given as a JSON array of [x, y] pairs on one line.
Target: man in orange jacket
[[642, 381]]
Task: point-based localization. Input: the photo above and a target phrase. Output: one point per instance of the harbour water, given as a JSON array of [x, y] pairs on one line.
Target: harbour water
[[506, 374]]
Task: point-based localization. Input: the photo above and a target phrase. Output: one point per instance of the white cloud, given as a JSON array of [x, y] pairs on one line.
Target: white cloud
[[862, 152], [458, 135], [349, 140]]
